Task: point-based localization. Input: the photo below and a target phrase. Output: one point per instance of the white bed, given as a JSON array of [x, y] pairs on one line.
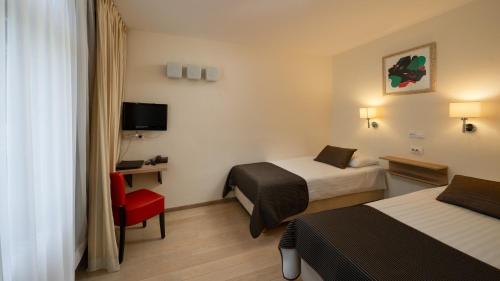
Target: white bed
[[325, 182], [470, 232]]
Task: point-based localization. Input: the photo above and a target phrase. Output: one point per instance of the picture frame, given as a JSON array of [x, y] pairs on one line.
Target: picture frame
[[411, 71]]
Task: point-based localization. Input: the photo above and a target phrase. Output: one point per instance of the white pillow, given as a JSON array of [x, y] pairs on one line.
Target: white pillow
[[358, 161]]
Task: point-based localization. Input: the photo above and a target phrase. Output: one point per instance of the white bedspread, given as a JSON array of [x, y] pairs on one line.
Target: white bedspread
[[325, 181], [470, 232]]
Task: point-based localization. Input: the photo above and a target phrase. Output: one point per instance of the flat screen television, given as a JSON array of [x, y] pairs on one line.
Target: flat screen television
[[144, 117]]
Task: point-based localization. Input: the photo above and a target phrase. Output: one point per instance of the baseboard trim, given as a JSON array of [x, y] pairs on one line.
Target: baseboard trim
[[203, 204]]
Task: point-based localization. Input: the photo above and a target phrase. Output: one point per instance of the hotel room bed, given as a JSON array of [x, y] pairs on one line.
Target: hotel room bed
[[285, 188], [410, 237], [325, 181]]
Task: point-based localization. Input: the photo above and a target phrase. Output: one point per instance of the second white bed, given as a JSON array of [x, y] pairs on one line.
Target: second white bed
[[472, 233]]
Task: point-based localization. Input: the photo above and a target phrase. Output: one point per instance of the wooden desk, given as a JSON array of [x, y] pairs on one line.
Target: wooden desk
[[145, 169], [430, 173]]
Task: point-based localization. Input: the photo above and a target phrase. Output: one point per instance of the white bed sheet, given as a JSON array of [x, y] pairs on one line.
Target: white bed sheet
[[470, 232], [325, 181]]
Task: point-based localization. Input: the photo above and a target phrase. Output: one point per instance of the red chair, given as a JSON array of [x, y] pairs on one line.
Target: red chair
[[134, 207]]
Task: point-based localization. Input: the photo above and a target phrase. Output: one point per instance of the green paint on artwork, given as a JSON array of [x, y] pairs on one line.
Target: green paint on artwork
[[395, 80], [416, 62]]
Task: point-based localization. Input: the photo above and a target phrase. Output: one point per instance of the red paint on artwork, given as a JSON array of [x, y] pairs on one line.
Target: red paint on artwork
[[406, 83]]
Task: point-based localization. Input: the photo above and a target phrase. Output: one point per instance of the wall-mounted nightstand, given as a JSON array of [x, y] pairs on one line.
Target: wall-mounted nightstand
[[425, 172]]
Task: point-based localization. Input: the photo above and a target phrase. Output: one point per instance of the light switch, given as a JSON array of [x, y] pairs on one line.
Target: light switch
[[416, 135]]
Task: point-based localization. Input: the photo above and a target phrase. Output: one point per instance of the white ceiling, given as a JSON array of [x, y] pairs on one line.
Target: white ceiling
[[322, 27]]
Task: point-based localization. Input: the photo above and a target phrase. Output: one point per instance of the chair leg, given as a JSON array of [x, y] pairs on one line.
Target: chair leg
[[162, 225], [122, 234], [144, 224]]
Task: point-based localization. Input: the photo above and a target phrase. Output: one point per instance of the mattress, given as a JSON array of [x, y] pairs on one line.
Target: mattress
[[326, 181], [470, 232]]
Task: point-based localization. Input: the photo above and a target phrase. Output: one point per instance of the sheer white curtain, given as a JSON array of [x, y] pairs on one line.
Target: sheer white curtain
[[82, 128], [3, 121], [38, 131]]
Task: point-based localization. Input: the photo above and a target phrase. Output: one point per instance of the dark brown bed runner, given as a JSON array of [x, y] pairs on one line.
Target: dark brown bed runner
[[362, 243], [275, 192]]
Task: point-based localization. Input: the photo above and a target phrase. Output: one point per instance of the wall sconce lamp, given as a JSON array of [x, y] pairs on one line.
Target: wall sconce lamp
[[464, 111], [368, 113]]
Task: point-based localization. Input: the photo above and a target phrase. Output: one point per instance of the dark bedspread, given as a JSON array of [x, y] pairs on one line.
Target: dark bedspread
[[275, 192], [362, 243]]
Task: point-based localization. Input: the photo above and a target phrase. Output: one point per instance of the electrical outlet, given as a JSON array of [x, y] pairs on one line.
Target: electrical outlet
[[417, 150]]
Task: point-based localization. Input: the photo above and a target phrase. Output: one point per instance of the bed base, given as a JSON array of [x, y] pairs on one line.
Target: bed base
[[324, 204], [307, 273]]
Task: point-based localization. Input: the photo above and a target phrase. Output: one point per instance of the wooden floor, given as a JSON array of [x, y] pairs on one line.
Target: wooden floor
[[207, 243]]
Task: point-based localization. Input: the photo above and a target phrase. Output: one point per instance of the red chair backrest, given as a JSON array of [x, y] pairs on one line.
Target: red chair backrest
[[117, 189]]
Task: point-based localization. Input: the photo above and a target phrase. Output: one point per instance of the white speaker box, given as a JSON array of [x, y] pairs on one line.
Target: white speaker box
[[193, 72], [174, 70], [211, 74]]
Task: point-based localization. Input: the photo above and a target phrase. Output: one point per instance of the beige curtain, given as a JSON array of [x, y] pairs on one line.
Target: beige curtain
[[105, 112]]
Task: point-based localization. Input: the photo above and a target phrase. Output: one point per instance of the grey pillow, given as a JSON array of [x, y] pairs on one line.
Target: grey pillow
[[336, 156], [482, 196]]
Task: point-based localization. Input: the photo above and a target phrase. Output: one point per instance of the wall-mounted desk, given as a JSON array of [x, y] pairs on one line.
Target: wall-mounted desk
[[158, 168], [426, 172]]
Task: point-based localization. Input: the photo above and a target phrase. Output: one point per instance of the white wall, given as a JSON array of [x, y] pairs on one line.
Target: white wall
[[265, 106], [468, 68]]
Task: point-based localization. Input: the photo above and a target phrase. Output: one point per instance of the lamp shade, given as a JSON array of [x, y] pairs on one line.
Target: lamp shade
[[465, 109], [367, 112]]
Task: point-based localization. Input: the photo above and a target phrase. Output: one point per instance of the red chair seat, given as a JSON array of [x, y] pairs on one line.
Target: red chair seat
[[140, 205]]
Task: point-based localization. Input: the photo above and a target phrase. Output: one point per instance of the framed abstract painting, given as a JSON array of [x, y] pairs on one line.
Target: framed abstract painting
[[411, 71]]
